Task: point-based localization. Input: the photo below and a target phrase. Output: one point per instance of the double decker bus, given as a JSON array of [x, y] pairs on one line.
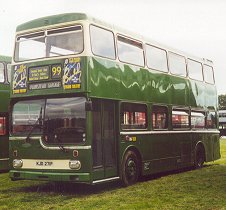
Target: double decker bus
[[92, 103], [4, 104]]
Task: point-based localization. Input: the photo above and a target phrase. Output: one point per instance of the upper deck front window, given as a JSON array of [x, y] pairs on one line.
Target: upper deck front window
[[49, 43]]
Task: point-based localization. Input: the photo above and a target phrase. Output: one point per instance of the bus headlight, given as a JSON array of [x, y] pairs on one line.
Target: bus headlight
[[75, 164], [17, 163]]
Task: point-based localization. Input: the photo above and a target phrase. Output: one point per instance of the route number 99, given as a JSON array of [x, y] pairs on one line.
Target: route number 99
[[56, 71]]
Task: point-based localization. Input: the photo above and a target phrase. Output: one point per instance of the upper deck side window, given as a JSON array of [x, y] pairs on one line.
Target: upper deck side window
[[102, 42], [2, 73], [130, 51], [156, 58], [195, 70], [177, 64], [49, 43], [208, 74]]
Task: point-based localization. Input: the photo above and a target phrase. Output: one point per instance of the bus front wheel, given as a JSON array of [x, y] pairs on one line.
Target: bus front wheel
[[130, 168], [199, 157]]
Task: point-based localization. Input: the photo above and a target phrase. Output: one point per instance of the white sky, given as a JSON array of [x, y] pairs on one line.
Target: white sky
[[197, 27]]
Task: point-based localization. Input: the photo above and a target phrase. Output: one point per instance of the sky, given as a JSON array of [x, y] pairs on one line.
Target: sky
[[197, 27]]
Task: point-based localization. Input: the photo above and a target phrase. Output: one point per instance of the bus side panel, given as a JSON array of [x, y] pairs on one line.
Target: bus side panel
[[103, 78], [197, 96], [212, 147], [4, 94], [109, 79], [161, 152], [4, 154]]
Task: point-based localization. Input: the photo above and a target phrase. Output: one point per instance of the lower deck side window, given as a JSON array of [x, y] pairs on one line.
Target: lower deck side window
[[180, 119], [133, 116], [197, 120], [3, 128], [211, 120], [159, 117]]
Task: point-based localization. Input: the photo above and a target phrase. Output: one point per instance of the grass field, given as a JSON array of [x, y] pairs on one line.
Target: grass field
[[191, 189]]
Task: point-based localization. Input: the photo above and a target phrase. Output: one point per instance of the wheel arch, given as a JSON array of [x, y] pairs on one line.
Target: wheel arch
[[201, 145], [137, 152]]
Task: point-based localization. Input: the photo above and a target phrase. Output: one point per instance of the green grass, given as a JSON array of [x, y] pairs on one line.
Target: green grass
[[191, 189]]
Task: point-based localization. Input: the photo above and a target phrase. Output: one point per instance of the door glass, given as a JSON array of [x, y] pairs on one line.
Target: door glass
[[97, 143], [108, 134]]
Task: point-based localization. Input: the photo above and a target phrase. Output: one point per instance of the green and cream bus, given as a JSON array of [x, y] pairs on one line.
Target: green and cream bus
[[92, 103], [4, 104]]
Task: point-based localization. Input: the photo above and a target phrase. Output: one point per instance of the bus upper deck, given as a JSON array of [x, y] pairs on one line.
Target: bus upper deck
[[64, 54]]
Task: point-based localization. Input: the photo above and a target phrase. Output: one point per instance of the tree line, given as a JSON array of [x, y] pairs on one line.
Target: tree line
[[222, 101]]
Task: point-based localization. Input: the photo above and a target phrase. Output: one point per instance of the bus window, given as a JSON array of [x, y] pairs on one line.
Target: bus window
[[2, 126], [97, 143], [197, 120], [211, 120], [159, 117], [2, 74], [32, 42], [8, 67], [53, 42], [130, 51], [180, 119], [156, 58], [25, 116], [65, 120], [222, 114], [177, 64], [195, 70], [208, 74], [64, 41], [102, 42], [133, 116]]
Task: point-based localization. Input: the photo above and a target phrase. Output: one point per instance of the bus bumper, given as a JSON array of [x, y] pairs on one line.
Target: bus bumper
[[50, 176]]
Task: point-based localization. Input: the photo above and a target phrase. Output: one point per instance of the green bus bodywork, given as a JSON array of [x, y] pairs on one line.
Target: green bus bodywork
[[106, 84], [4, 95]]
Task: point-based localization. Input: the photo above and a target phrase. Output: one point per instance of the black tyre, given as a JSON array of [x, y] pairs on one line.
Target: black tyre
[[130, 169], [199, 157]]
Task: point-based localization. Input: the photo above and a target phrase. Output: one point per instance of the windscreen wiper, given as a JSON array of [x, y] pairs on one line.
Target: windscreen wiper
[[37, 123], [61, 146]]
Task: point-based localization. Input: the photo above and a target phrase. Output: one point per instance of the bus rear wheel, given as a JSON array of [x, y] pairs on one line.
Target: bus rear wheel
[[199, 157], [130, 169]]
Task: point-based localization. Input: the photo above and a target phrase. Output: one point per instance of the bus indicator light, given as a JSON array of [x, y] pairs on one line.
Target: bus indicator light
[[15, 153], [75, 153]]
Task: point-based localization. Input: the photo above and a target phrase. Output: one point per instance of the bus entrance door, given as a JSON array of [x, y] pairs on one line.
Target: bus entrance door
[[104, 140]]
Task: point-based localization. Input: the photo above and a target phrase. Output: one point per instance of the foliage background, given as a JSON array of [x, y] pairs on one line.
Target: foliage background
[[222, 101]]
